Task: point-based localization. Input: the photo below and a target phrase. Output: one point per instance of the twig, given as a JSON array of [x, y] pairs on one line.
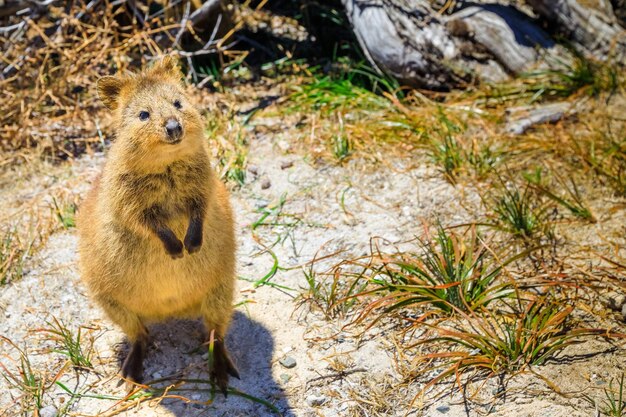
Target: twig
[[214, 33], [183, 25], [337, 375], [17, 26], [203, 12]]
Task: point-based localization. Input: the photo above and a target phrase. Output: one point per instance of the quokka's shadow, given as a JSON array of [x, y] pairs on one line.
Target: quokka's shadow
[[176, 349]]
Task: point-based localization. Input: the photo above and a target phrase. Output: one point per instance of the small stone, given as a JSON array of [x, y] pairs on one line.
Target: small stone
[[205, 356], [286, 164], [48, 411], [259, 205], [284, 378], [283, 145], [315, 400], [253, 170], [614, 300], [156, 375], [288, 362], [265, 184], [443, 409]]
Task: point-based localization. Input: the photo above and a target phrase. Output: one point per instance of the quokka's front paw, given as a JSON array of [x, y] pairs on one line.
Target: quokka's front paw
[[175, 249], [193, 242]]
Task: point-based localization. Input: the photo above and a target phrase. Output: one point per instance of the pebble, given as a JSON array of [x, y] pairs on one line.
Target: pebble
[[265, 184], [315, 400], [288, 362], [286, 164], [253, 170], [443, 409], [48, 411], [283, 145], [259, 205], [284, 378], [156, 375]]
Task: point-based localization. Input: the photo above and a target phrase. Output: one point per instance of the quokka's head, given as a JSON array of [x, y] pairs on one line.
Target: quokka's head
[[152, 110]]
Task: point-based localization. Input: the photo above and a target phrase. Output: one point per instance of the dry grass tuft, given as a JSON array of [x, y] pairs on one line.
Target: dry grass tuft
[[51, 59]]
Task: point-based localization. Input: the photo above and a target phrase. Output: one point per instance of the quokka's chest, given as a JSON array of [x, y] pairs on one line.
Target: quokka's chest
[[170, 188]]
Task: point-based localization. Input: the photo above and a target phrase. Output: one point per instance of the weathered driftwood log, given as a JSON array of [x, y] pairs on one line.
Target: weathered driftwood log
[[590, 25], [520, 119], [507, 34], [406, 40], [421, 47], [619, 7], [213, 18]]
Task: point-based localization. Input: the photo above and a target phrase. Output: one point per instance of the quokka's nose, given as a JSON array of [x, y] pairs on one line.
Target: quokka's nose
[[173, 128]]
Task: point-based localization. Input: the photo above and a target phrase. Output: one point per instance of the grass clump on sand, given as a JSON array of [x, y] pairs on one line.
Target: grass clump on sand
[[12, 256], [449, 271], [70, 344], [497, 342]]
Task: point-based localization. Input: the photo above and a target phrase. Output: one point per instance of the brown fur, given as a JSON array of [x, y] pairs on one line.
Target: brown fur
[[153, 198]]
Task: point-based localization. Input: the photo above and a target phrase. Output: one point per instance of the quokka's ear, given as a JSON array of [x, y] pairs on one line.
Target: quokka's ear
[[167, 66], [109, 88]]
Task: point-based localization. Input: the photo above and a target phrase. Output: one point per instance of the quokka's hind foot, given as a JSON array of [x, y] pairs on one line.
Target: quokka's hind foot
[[132, 368], [222, 367]]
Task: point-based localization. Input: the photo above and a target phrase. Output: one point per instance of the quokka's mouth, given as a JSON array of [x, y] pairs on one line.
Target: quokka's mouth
[[173, 141]]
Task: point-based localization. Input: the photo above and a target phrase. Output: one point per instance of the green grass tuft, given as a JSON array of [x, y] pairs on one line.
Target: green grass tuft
[[445, 150], [66, 214], [348, 85], [31, 383], [342, 146], [519, 212], [614, 404], [495, 342], [12, 256], [449, 272], [573, 201], [70, 344]]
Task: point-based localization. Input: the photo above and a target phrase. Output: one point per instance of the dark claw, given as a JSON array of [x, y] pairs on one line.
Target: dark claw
[[193, 237], [193, 244], [177, 255], [175, 249]]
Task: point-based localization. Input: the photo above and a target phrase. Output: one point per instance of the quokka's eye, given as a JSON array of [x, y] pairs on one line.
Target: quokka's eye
[[144, 115], [177, 104]]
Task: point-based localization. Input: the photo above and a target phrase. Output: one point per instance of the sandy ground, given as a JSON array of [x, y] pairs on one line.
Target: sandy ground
[[334, 367]]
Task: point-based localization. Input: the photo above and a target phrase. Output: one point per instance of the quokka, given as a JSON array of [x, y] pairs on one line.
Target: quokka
[[156, 231]]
